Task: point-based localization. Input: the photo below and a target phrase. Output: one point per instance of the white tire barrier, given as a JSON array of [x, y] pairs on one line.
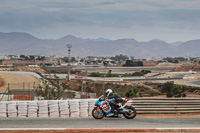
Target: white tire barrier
[[22, 109], [91, 104], [3, 109], [83, 108], [74, 108], [43, 110], [53, 109], [64, 108], [32, 109], [12, 109]]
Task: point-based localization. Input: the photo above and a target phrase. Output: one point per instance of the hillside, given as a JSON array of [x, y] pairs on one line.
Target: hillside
[[23, 43], [16, 81], [1, 82]]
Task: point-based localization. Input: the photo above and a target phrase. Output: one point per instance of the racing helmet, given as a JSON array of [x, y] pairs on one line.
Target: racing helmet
[[108, 92]]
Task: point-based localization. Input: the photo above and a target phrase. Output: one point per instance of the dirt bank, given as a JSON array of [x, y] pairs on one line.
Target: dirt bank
[[16, 80]]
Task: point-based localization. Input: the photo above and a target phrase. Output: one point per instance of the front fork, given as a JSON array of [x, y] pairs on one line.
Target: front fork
[[100, 111], [98, 108]]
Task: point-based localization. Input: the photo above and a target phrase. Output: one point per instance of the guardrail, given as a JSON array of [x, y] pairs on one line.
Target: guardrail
[[146, 79], [166, 105], [83, 107], [156, 83]]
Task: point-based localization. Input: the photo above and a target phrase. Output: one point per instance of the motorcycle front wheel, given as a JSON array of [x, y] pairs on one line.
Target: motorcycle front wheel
[[97, 114], [131, 114]]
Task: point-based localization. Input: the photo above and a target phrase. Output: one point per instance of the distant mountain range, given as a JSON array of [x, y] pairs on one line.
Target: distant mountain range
[[23, 43]]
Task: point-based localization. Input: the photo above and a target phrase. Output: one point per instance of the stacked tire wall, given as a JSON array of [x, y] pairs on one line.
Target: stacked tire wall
[[50, 108]]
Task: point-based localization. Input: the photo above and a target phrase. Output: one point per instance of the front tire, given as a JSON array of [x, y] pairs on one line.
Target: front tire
[[97, 114], [130, 115]]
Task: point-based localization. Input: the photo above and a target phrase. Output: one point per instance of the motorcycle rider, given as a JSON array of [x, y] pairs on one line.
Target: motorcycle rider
[[113, 95]]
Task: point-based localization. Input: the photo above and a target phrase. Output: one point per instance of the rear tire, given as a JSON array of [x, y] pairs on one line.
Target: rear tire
[[99, 114], [130, 115]]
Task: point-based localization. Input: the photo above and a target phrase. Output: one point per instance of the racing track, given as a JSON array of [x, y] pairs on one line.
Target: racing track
[[138, 122]]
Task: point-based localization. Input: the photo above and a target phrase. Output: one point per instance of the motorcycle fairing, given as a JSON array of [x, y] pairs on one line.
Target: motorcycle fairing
[[105, 106], [112, 100]]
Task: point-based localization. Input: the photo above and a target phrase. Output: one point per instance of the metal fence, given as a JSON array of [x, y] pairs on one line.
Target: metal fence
[[19, 91], [24, 85], [26, 91]]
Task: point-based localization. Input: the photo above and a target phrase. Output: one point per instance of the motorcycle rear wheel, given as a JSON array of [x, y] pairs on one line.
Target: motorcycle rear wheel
[[97, 114], [130, 115]]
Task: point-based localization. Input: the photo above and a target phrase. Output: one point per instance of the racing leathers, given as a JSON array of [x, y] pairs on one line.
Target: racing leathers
[[118, 100]]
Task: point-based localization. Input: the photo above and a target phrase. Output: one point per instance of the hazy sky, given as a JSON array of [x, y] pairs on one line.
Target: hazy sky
[[143, 20]]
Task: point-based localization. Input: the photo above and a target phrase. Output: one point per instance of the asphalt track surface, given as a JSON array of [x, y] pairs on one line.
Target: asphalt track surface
[[138, 122]]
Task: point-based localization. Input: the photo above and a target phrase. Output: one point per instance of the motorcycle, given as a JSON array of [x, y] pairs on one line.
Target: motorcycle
[[109, 108]]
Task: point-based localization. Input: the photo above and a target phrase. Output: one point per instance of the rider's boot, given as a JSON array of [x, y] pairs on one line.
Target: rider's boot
[[120, 106]]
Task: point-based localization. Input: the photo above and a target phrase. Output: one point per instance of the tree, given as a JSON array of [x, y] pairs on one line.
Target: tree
[[178, 91], [105, 63], [146, 71], [173, 91], [22, 56], [133, 63], [127, 75], [27, 58], [129, 63], [94, 62], [140, 63], [175, 59], [138, 74], [41, 58], [167, 88], [133, 92], [111, 75], [119, 57], [53, 91], [141, 73], [32, 57], [96, 74]]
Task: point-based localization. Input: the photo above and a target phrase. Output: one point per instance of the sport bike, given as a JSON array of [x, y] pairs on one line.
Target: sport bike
[[109, 107]]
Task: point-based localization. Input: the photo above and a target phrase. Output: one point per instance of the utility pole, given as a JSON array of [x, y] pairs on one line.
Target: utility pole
[[94, 87], [104, 80], [9, 92], [69, 46], [23, 90]]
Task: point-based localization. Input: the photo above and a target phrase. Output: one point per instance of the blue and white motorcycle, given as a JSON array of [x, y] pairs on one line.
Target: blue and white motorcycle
[[108, 107]]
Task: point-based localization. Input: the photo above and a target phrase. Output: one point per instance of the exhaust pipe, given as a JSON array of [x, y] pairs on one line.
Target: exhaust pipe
[[125, 111]]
